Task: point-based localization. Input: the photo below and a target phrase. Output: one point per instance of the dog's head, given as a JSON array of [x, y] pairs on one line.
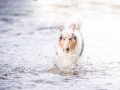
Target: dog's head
[[67, 40]]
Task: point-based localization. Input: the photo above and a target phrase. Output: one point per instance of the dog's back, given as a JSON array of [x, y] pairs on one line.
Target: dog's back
[[76, 19]]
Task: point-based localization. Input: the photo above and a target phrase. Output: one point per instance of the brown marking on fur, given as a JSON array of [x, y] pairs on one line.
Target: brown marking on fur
[[62, 44], [72, 43]]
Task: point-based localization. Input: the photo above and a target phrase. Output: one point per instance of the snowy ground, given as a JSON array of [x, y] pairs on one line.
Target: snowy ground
[[28, 32]]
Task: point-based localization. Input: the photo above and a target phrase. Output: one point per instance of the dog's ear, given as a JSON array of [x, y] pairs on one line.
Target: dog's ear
[[60, 28], [73, 36], [72, 27]]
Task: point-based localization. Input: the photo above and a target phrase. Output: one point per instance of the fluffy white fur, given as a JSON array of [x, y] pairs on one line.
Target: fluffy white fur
[[74, 19]]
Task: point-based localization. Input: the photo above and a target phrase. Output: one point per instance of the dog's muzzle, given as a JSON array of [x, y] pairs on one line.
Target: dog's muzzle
[[67, 49]]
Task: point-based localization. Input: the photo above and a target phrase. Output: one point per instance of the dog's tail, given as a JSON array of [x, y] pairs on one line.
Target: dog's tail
[[74, 22]]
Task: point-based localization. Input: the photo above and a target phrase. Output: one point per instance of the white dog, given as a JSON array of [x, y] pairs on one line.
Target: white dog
[[70, 40], [69, 45]]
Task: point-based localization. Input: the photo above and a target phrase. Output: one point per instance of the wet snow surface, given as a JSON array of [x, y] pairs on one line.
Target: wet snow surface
[[27, 45]]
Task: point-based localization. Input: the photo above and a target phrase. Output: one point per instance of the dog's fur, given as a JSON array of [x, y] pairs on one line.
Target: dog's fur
[[70, 40]]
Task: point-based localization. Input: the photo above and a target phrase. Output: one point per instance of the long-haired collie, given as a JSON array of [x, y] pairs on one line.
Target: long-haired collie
[[70, 40], [69, 45]]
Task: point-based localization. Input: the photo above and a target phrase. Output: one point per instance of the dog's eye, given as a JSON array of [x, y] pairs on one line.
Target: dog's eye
[[60, 37], [70, 38], [75, 37]]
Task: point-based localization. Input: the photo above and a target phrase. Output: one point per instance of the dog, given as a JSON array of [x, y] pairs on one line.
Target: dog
[[70, 40], [70, 45]]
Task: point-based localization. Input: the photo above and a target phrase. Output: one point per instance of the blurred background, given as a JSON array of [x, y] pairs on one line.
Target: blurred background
[[28, 33], [51, 12]]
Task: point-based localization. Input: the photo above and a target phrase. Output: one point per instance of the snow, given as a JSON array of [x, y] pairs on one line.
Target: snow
[[27, 46]]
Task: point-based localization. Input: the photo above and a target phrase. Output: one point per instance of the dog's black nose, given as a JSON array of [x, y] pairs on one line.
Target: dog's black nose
[[67, 49]]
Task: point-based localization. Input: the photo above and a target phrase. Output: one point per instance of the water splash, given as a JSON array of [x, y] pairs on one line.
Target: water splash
[[66, 64]]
